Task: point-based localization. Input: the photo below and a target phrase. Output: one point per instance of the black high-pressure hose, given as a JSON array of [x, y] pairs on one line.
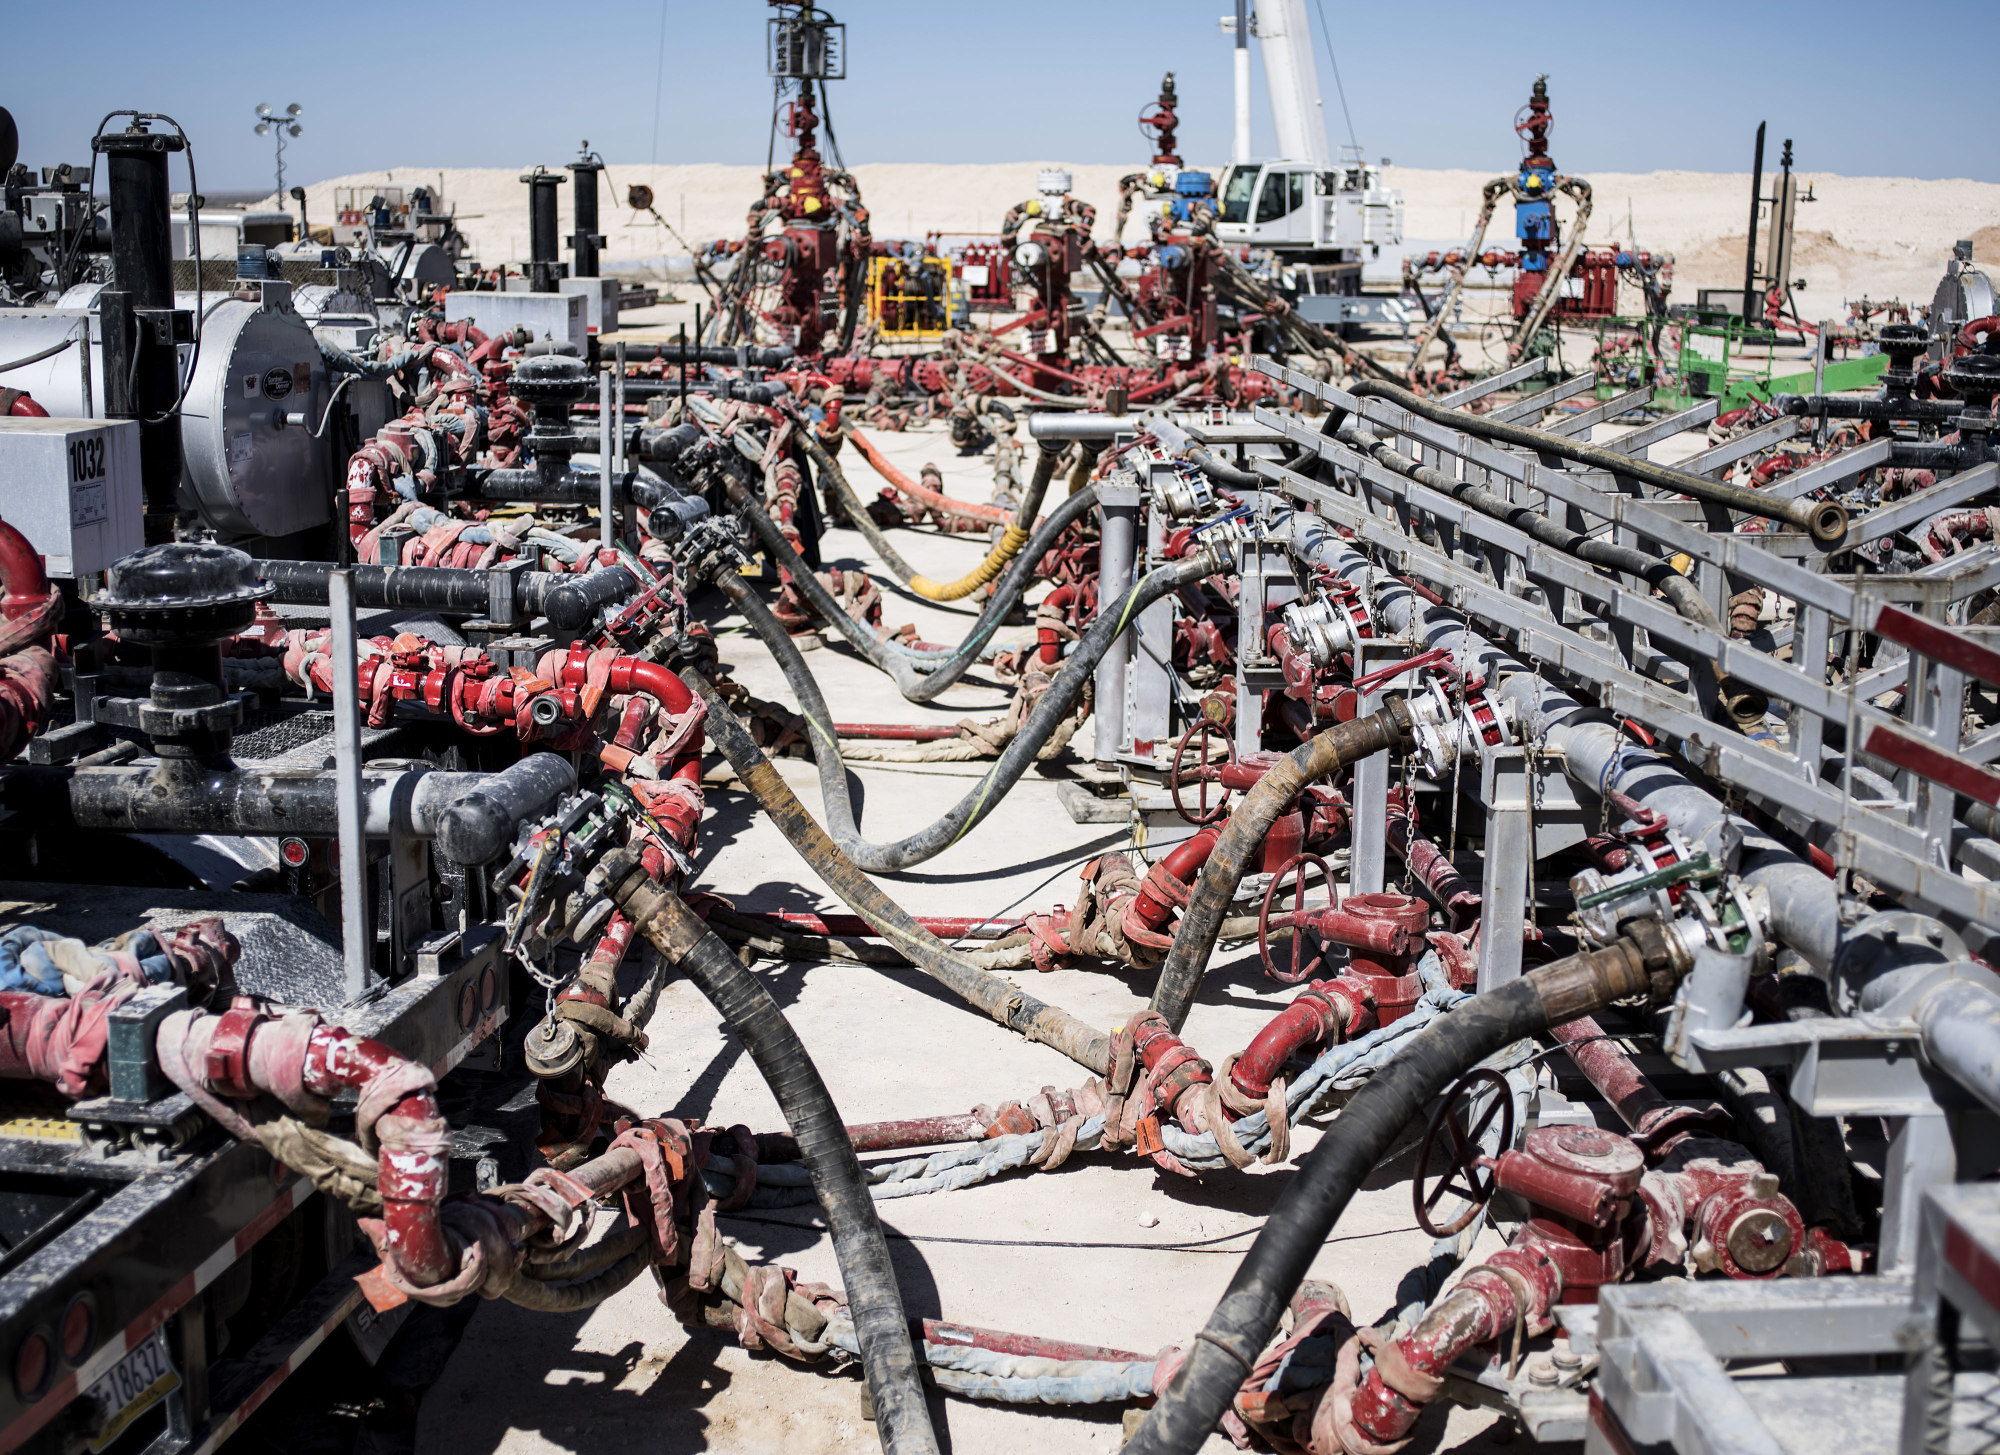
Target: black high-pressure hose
[[942, 672], [1017, 534], [1012, 1007], [1680, 592], [1054, 706], [881, 1326], [840, 819], [1222, 1356], [918, 679], [1823, 520], [1221, 471], [1014, 583], [1243, 836]]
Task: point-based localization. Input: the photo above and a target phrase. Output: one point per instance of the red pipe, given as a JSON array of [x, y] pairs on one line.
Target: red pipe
[[31, 610], [250, 1051], [1049, 369], [27, 693], [1617, 1079], [918, 1132], [1658, 1125], [629, 674], [413, 1170], [852, 926], [903, 484], [1969, 332], [1177, 380], [24, 585], [1362, 932], [1027, 318], [57, 1040], [1326, 1011], [897, 731], [1169, 881], [24, 407], [1001, 376], [1424, 591], [445, 361], [1179, 320], [1048, 641], [1480, 1310], [615, 942], [1029, 1345], [1428, 862], [1173, 1067]]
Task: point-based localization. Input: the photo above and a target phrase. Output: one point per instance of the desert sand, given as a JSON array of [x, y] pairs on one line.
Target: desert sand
[[1879, 236]]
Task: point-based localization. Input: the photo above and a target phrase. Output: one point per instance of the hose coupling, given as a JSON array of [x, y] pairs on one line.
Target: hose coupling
[[709, 549], [1661, 955]]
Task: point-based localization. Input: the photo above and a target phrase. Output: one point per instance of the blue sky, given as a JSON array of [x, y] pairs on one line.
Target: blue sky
[[1636, 88]]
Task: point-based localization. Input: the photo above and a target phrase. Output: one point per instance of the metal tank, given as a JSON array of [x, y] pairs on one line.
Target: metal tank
[[415, 269], [258, 391], [1963, 294], [252, 467]]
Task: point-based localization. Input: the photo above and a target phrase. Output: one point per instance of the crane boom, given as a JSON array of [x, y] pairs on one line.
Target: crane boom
[[1293, 80]]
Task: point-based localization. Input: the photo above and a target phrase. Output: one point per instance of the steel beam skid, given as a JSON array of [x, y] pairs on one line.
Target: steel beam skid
[[1822, 760]]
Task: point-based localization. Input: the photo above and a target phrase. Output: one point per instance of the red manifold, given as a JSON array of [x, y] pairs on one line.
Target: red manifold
[[1396, 922]]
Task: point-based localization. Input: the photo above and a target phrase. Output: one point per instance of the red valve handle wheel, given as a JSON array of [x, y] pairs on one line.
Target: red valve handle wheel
[[1204, 774], [1298, 919], [1469, 1173]]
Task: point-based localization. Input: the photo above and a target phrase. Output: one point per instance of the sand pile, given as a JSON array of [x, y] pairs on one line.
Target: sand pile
[[1882, 236]]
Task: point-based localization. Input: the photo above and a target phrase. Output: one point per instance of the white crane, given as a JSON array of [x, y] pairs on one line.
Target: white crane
[[1321, 217]]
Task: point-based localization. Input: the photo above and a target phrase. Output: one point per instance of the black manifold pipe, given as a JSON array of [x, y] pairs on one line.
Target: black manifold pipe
[[1846, 406], [728, 357], [472, 816], [570, 602], [873, 1299], [766, 392], [480, 827], [142, 372], [544, 269], [1222, 1356], [1938, 454], [666, 446]]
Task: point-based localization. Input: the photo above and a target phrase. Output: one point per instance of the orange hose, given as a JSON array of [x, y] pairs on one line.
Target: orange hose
[[998, 515]]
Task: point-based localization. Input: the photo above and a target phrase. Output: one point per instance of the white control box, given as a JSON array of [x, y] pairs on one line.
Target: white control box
[[71, 486], [600, 296], [563, 317]]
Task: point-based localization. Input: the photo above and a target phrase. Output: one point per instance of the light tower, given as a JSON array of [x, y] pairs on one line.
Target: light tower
[[269, 123]]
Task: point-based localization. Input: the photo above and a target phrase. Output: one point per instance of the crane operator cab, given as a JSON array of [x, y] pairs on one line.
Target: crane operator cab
[[1298, 208]]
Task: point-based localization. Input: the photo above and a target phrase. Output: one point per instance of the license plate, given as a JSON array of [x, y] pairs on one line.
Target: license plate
[[130, 1387]]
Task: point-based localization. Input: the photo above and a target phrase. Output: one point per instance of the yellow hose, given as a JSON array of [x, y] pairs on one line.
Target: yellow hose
[[996, 561]]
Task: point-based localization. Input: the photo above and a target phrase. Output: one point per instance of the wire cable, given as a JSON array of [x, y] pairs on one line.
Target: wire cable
[[48, 353], [1326, 34], [659, 86]]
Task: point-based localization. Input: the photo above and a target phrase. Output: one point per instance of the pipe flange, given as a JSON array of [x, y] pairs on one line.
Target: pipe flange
[[1903, 343], [1975, 378], [550, 379], [182, 594]]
